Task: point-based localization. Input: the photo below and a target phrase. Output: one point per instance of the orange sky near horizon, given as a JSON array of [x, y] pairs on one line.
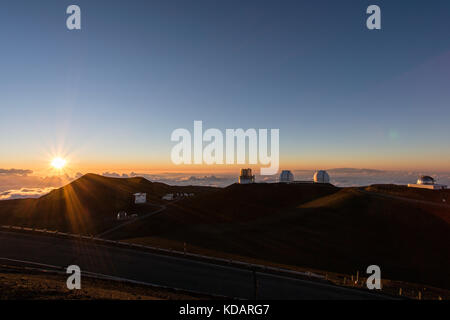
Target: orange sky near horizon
[[73, 167], [85, 162]]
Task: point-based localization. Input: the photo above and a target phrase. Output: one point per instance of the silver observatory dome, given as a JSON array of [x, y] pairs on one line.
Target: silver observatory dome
[[425, 180], [321, 176]]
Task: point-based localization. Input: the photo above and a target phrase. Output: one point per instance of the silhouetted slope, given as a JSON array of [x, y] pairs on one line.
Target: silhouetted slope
[[86, 205], [315, 226], [237, 203], [438, 196]]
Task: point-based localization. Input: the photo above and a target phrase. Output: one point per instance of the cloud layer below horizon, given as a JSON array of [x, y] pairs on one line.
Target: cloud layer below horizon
[[20, 183]]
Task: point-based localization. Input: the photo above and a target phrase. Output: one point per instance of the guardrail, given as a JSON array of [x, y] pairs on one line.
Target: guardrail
[[236, 263]]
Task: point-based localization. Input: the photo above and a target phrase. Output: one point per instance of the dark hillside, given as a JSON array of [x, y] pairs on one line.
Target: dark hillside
[[87, 205], [341, 230]]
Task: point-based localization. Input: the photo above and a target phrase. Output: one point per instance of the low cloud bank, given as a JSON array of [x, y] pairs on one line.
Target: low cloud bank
[[342, 177], [115, 175], [19, 183], [24, 193], [179, 179], [16, 182], [350, 177], [15, 172]]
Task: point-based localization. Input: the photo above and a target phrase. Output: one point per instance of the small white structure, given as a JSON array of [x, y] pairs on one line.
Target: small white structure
[[140, 198], [168, 197], [122, 215], [321, 176], [427, 182], [246, 176], [286, 176]]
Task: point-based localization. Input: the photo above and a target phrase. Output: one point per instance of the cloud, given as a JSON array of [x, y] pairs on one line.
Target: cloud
[[204, 178], [180, 179], [111, 174], [353, 177], [115, 175], [15, 172], [342, 177], [355, 171], [19, 183], [24, 193]]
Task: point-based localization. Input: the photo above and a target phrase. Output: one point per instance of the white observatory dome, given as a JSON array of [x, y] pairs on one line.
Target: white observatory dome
[[425, 180], [286, 176], [321, 176]]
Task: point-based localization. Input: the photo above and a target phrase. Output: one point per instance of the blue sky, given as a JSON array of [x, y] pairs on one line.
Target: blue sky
[[112, 93]]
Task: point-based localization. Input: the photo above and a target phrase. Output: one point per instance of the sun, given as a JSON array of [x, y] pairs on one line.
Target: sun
[[58, 163]]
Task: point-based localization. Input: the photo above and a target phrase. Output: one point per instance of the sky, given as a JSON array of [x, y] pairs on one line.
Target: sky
[[107, 97]]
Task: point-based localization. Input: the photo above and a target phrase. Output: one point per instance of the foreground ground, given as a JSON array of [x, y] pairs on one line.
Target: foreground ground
[[356, 280], [25, 284], [314, 227], [188, 274]]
